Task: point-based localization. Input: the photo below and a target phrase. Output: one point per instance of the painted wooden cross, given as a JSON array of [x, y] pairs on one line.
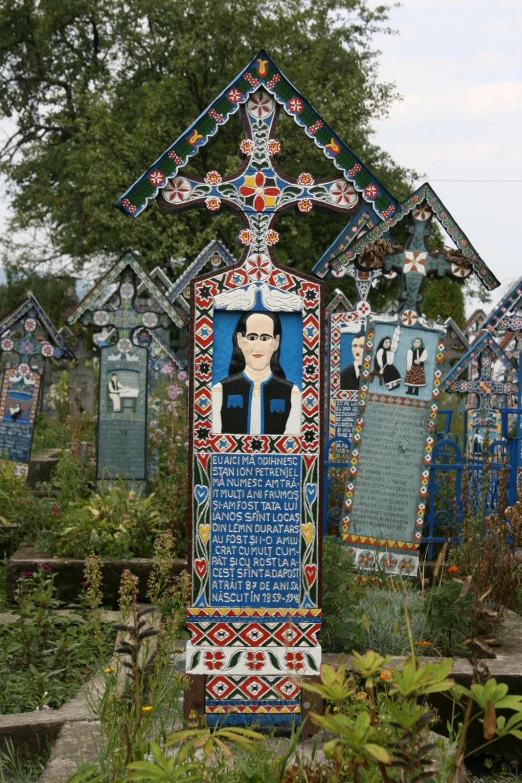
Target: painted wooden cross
[[29, 334], [484, 353], [255, 406], [373, 249], [115, 304]]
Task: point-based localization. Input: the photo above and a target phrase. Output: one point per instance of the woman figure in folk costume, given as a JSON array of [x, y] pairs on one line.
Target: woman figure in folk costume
[[415, 360], [383, 364]]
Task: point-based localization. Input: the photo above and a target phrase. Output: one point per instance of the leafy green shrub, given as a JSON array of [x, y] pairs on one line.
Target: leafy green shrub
[[342, 628], [115, 522], [384, 626], [44, 658]]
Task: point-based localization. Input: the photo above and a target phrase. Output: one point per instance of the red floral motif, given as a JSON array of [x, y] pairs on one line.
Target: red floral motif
[[213, 178], [251, 79], [177, 191], [296, 105], [156, 177], [245, 236], [6, 344], [234, 96], [259, 266], [212, 203], [214, 660], [370, 191], [316, 126], [175, 157], [260, 105], [246, 146], [125, 202], [264, 195], [294, 661], [305, 179], [30, 325], [273, 81], [132, 208], [304, 205], [215, 115], [255, 660], [272, 237], [24, 369], [47, 350], [273, 147], [342, 193], [421, 213]]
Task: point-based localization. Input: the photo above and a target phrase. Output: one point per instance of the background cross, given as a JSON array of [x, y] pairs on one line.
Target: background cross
[[484, 353], [259, 191], [28, 332], [415, 261]]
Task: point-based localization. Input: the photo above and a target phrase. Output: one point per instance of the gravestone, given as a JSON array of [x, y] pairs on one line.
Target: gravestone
[[81, 376], [482, 387], [27, 337], [387, 482], [257, 406], [115, 303]]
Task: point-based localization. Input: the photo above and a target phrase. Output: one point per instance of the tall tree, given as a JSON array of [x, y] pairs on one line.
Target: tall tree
[[98, 88]]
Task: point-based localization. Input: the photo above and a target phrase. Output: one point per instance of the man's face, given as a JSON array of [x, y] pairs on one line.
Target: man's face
[[259, 344], [358, 349]]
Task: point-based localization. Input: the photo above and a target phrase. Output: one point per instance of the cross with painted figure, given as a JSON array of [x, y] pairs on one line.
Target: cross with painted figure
[[374, 250], [29, 334], [256, 404], [125, 304]]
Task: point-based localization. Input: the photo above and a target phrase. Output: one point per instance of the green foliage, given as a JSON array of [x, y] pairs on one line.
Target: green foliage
[[92, 114], [384, 627], [342, 627], [55, 293], [446, 614], [44, 658], [444, 297]]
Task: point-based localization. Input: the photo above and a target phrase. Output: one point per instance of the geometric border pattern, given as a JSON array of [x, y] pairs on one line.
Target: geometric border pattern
[[399, 556]]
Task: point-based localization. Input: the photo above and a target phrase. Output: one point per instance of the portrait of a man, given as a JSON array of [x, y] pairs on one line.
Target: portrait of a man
[[256, 398], [350, 375]]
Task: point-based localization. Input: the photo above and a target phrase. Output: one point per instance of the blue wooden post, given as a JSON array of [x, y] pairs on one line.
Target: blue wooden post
[[448, 416]]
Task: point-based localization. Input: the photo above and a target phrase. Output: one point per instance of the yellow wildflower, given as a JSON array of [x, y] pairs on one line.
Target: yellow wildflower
[[146, 709], [109, 669]]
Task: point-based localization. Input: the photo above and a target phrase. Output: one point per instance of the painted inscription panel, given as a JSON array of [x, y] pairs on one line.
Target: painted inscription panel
[[122, 421], [256, 512], [394, 434], [18, 404]]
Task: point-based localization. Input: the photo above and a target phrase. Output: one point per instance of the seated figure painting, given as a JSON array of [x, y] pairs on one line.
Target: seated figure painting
[[256, 398]]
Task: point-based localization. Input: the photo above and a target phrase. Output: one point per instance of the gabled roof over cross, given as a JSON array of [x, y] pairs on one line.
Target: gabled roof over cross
[[339, 304], [259, 191], [484, 353], [100, 294], [507, 315], [373, 250], [215, 253], [39, 336]]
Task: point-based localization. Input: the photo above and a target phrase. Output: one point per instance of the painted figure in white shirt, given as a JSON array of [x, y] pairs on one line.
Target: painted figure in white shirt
[[256, 398]]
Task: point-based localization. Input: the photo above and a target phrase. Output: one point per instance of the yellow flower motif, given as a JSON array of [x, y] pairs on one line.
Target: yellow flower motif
[[146, 709], [109, 669]]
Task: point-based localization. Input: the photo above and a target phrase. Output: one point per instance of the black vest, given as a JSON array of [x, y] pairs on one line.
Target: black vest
[[275, 405]]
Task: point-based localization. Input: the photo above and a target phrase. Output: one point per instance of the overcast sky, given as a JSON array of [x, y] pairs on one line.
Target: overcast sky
[[458, 66]]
